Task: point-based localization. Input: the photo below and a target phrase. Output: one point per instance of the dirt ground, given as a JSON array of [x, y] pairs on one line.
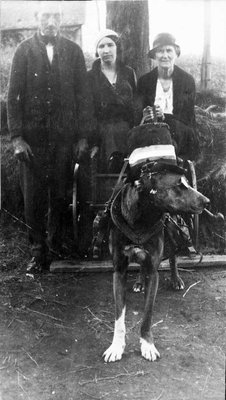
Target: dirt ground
[[54, 329]]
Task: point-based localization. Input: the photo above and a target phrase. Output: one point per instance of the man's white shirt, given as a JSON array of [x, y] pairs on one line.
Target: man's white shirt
[[50, 51]]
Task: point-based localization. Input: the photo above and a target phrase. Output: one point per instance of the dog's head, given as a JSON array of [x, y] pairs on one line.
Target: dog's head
[[169, 189]]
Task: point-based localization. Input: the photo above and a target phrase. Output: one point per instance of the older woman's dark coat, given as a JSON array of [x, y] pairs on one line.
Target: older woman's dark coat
[[113, 108], [182, 122]]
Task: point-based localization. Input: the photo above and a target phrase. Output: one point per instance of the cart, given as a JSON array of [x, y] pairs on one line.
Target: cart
[[101, 188]]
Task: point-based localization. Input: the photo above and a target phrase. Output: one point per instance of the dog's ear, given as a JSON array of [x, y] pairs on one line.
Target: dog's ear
[[115, 162], [133, 173]]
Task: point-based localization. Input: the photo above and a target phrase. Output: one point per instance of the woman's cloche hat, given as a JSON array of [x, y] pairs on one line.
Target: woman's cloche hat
[[164, 39], [106, 33]]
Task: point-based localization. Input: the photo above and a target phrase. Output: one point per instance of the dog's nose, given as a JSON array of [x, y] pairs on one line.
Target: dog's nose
[[206, 201]]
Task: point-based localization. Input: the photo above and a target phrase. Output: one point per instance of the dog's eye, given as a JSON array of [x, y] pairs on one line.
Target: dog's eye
[[153, 191], [183, 182], [137, 183]]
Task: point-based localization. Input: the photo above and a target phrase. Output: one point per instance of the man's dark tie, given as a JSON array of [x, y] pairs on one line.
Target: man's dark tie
[[49, 39]]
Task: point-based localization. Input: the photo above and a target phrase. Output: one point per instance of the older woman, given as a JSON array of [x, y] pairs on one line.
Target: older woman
[[113, 85], [172, 91]]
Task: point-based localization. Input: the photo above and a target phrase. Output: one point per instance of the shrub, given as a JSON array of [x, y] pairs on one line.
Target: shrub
[[192, 64], [11, 195]]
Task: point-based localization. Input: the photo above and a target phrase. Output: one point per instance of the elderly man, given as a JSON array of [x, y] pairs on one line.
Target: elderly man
[[49, 118]]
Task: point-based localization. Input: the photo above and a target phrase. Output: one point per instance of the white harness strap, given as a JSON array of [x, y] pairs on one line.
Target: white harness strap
[[164, 152]]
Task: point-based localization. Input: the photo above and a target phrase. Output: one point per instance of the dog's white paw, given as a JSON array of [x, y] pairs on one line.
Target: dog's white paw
[[148, 350], [114, 352], [177, 283], [138, 287]]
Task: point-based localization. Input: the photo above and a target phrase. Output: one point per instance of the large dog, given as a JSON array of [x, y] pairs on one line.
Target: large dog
[[139, 215]]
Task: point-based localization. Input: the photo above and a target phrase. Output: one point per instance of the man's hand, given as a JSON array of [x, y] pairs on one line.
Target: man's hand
[[81, 149], [94, 151], [22, 150]]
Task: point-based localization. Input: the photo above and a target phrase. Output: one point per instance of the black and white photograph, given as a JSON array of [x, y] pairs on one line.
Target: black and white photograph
[[113, 200]]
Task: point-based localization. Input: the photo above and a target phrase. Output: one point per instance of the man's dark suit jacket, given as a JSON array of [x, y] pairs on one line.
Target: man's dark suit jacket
[[44, 97]]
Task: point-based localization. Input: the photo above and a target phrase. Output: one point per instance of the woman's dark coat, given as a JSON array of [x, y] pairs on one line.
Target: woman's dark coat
[[113, 107], [183, 93], [182, 123]]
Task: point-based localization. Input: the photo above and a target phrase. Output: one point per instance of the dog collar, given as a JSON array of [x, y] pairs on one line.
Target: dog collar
[[138, 236]]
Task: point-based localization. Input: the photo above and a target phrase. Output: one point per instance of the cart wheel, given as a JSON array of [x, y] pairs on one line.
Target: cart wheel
[[194, 220], [75, 202]]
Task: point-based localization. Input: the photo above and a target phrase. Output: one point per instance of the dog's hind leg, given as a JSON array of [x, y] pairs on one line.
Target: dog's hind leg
[[139, 283], [176, 281], [120, 261], [138, 256], [151, 264]]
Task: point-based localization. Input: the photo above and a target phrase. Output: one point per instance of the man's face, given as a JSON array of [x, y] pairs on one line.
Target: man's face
[[49, 21]]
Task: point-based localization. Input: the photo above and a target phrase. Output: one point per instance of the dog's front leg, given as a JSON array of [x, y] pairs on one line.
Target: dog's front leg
[[115, 351], [151, 264]]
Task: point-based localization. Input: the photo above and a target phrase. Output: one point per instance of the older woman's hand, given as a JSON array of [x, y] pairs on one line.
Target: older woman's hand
[[148, 112], [159, 113], [153, 113]]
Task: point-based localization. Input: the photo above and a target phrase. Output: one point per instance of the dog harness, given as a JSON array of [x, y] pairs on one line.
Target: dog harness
[[138, 235]]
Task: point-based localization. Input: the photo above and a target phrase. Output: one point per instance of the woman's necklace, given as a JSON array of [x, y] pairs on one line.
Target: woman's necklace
[[166, 83], [165, 78], [110, 74]]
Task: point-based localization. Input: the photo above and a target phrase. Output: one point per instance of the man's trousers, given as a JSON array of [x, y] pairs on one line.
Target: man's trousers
[[45, 182]]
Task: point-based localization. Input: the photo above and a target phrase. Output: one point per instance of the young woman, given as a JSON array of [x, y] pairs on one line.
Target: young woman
[[113, 85]]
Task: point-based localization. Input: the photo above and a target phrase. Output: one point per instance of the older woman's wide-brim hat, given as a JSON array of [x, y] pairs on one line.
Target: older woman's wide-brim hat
[[164, 39], [106, 33]]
